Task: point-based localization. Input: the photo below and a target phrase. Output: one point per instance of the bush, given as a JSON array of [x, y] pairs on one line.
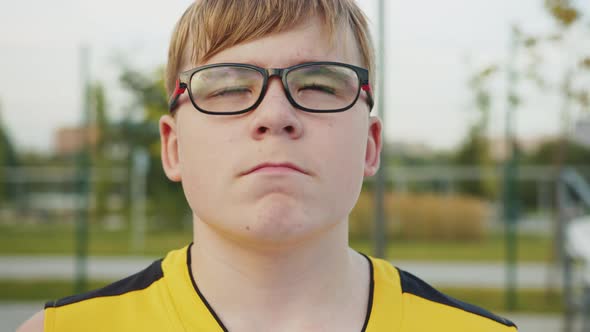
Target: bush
[[429, 217]]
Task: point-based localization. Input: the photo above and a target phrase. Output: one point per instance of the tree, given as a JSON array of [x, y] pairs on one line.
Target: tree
[[573, 84], [574, 154], [99, 156], [475, 149], [8, 158], [165, 198]]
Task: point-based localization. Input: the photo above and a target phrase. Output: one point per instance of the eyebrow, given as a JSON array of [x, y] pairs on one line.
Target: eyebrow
[[292, 62]]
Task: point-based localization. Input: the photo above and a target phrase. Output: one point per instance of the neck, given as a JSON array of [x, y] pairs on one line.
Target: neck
[[277, 283]]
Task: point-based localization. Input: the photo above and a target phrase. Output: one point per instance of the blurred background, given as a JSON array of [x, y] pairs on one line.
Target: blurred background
[[485, 172]]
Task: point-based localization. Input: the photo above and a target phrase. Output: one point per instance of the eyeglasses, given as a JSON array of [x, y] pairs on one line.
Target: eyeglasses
[[235, 88]]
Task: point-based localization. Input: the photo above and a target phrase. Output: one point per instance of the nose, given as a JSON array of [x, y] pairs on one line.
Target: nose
[[275, 116]]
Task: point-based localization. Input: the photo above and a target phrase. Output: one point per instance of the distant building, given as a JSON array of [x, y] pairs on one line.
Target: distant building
[[71, 140], [581, 133], [499, 149], [399, 148]]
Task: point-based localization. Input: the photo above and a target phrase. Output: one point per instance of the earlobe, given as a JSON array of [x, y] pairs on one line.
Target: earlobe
[[169, 148], [374, 145]]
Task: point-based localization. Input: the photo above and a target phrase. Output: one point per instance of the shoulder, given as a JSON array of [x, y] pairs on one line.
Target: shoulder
[[122, 302], [135, 282], [141, 301], [34, 324], [423, 308], [421, 299]]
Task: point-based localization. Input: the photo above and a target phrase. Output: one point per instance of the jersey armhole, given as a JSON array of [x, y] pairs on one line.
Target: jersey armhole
[[49, 319]]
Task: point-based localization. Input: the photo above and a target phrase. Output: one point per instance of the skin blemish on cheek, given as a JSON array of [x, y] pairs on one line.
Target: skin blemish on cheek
[[247, 228]]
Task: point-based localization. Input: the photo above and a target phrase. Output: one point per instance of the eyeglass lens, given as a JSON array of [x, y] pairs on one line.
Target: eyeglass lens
[[232, 88]]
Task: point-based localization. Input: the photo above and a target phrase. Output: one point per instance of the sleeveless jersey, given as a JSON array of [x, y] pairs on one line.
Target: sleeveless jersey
[[164, 297]]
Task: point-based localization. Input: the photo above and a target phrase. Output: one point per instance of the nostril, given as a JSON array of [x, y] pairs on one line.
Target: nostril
[[289, 129], [262, 130]]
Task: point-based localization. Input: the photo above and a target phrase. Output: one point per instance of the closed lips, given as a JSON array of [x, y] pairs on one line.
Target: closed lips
[[275, 165]]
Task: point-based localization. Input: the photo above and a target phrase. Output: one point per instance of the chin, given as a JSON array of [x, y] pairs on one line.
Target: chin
[[279, 223]]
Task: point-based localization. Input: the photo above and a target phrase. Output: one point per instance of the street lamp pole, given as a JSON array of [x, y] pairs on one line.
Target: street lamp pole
[[82, 180], [510, 194], [381, 180]]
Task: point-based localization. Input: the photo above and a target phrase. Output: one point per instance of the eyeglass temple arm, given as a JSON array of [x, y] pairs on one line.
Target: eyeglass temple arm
[[178, 91], [367, 88]]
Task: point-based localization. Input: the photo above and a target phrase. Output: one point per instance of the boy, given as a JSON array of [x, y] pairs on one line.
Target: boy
[[270, 134]]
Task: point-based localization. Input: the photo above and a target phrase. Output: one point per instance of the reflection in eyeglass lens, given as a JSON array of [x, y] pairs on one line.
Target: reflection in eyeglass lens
[[226, 89], [323, 87]]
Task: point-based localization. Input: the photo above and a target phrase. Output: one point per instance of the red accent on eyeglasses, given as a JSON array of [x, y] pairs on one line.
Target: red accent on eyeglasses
[[179, 90], [367, 88]]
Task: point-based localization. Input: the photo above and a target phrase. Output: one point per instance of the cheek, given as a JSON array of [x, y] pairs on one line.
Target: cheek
[[346, 147], [204, 166], [343, 154]]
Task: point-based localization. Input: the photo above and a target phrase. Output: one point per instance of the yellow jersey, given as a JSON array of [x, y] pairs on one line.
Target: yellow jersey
[[164, 297]]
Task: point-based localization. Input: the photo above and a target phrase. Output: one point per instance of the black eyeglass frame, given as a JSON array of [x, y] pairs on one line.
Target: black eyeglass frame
[[182, 83]]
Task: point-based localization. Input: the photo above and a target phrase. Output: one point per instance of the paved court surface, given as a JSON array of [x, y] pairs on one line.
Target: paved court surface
[[12, 314], [465, 274]]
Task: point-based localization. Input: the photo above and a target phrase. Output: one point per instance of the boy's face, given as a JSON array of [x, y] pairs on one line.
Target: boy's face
[[213, 155]]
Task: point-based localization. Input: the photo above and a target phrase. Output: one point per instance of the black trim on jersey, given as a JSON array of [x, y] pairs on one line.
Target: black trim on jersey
[[414, 285], [371, 290], [190, 271], [135, 282]]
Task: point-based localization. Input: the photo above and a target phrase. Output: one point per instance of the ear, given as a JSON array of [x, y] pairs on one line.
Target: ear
[[373, 151], [169, 142]]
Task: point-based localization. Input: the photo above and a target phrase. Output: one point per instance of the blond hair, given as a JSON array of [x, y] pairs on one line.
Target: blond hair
[[208, 27]]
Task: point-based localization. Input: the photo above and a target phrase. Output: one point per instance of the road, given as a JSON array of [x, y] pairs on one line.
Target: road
[[460, 274]]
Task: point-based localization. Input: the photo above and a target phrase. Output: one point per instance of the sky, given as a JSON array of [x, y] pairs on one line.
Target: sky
[[432, 49]]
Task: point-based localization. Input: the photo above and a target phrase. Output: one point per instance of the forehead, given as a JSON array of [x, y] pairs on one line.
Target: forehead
[[309, 40]]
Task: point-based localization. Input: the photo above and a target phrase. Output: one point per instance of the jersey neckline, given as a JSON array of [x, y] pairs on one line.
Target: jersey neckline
[[222, 326]]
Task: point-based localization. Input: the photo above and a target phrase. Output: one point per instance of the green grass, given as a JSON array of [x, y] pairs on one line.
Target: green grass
[[530, 301], [60, 240], [40, 290], [530, 249]]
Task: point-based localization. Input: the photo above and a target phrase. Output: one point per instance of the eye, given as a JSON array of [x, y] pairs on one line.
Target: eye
[[224, 92], [318, 87]]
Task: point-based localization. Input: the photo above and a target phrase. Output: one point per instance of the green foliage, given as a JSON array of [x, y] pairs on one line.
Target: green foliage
[[100, 159], [167, 203], [563, 11], [475, 149], [8, 158], [575, 154], [545, 154], [149, 92], [572, 85]]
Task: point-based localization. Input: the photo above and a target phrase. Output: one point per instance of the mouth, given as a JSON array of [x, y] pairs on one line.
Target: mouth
[[275, 168]]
